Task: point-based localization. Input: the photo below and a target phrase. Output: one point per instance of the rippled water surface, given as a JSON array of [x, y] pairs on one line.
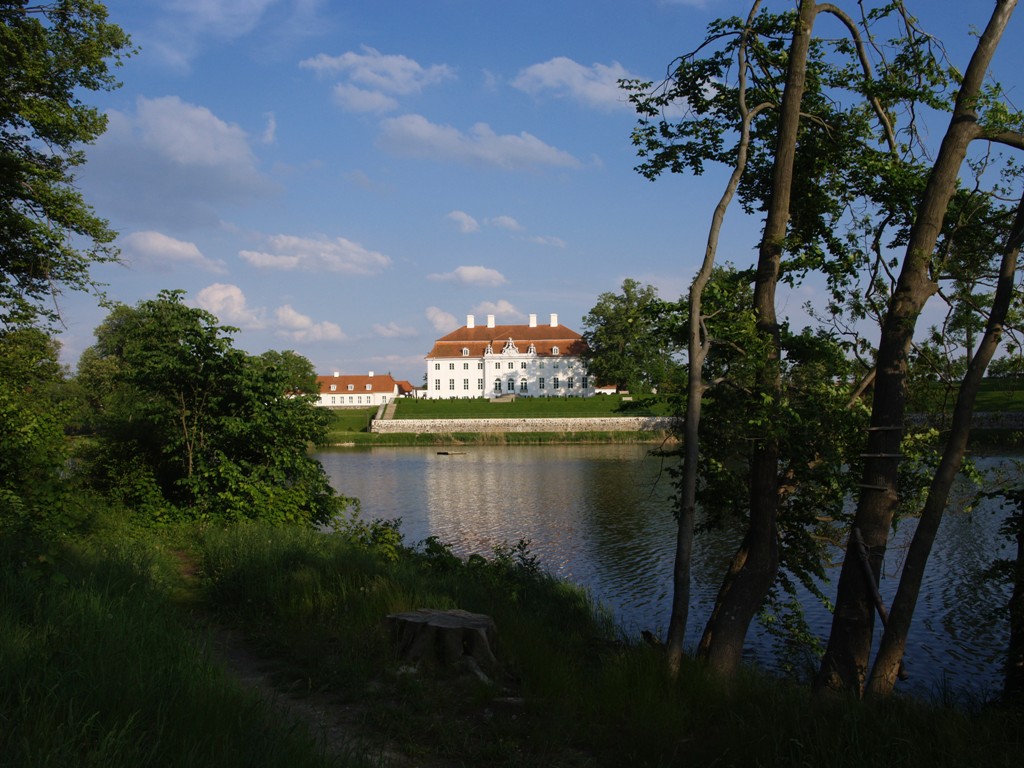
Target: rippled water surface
[[600, 516]]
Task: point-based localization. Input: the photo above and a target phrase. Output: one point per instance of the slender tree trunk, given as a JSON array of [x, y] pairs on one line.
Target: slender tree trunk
[[894, 638], [845, 664], [755, 565], [697, 346]]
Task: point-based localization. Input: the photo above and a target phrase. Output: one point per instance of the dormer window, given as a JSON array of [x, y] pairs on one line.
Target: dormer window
[[333, 387], [554, 350], [351, 387], [532, 350], [489, 350], [465, 351], [369, 387]]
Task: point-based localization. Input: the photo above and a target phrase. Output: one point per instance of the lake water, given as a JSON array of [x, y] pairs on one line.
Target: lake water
[[601, 516]]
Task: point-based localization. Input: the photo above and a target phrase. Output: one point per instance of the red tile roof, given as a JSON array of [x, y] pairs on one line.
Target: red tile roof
[[544, 338], [361, 384]]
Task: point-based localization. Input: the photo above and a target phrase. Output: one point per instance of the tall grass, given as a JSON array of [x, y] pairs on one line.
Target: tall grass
[[98, 669], [570, 692]]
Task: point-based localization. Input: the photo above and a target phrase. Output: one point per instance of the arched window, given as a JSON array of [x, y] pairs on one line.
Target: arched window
[[532, 350], [465, 351], [497, 385], [511, 384], [522, 385], [554, 350]]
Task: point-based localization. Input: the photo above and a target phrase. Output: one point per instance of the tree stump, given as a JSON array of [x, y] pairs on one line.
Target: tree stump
[[444, 637]]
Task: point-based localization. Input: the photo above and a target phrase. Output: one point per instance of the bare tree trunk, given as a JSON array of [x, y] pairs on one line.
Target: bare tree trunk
[[755, 565], [845, 664], [698, 345], [894, 638]]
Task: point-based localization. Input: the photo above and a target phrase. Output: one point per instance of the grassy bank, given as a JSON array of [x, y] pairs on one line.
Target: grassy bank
[[105, 663]]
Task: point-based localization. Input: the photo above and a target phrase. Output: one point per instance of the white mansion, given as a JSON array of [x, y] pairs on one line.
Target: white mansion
[[526, 360]]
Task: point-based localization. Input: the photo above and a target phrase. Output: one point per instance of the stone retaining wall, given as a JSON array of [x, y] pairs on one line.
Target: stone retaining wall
[[448, 426]]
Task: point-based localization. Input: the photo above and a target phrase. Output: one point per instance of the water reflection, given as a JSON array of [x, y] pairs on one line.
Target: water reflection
[[601, 517]]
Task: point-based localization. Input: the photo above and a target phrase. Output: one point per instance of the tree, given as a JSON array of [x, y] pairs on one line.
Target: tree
[[624, 345], [819, 161], [845, 664], [191, 427], [52, 54]]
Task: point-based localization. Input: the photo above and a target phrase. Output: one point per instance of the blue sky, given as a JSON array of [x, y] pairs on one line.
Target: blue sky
[[350, 180]]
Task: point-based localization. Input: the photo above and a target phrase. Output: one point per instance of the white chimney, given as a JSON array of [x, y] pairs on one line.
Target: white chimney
[[554, 320], [533, 321], [337, 374], [490, 321], [370, 374], [470, 321]]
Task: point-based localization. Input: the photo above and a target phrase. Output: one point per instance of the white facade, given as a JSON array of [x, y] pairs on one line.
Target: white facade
[[356, 391], [523, 360]]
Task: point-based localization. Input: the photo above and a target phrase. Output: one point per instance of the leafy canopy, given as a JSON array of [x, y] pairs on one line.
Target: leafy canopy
[[51, 55]]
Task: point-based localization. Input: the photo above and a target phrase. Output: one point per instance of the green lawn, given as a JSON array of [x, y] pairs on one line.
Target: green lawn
[[531, 408]]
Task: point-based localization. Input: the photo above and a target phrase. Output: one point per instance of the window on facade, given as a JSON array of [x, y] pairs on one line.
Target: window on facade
[[522, 385], [497, 366], [479, 366], [585, 382], [350, 399], [511, 366], [359, 399], [497, 385], [465, 366], [451, 366], [437, 383], [480, 384], [437, 366], [523, 365], [333, 399], [540, 383], [465, 384], [511, 385], [554, 383], [570, 382], [451, 384]]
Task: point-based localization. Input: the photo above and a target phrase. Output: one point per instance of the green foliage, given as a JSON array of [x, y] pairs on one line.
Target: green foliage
[[189, 427], [626, 345], [52, 54]]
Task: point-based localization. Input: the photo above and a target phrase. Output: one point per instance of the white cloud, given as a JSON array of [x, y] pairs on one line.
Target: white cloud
[[483, 276], [505, 222], [170, 165], [287, 252], [394, 331], [373, 70], [189, 135], [357, 99], [416, 136], [270, 130], [466, 222], [504, 309], [228, 303], [301, 328], [556, 242], [594, 86], [161, 252], [442, 321]]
